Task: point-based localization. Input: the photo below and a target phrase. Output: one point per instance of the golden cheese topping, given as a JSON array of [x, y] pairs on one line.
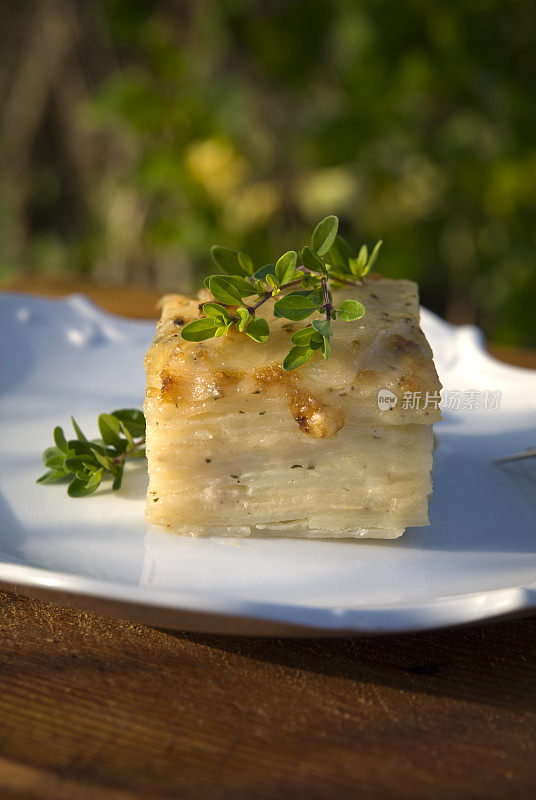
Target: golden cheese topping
[[385, 350]]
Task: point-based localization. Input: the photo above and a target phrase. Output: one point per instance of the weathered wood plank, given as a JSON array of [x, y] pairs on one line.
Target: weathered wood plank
[[99, 703]]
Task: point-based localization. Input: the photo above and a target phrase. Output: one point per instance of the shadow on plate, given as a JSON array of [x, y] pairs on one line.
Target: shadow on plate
[[476, 504]]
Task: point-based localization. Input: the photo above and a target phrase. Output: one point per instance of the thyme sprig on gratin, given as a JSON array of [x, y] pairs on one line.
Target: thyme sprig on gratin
[[324, 264], [239, 291], [85, 462]]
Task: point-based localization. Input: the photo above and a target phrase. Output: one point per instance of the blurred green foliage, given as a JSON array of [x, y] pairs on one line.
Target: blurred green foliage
[[243, 123]]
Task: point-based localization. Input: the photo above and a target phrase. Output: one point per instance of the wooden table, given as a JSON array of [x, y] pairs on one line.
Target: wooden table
[[97, 709]]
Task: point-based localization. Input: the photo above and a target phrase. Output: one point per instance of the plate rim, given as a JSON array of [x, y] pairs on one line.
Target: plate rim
[[443, 612]]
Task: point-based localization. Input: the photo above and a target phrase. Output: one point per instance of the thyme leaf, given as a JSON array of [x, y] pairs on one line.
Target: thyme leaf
[[299, 284], [85, 463]]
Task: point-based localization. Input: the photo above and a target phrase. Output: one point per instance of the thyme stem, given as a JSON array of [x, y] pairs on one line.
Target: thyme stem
[[267, 296], [120, 459], [263, 299], [327, 304]]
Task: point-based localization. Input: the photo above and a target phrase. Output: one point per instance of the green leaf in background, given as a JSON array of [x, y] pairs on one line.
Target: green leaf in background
[[231, 262], [246, 263], [303, 337], [317, 296], [362, 258], [54, 458], [229, 289], [109, 427], [374, 255], [312, 261], [268, 269], [81, 487], [294, 307], [199, 330], [104, 461], [339, 254], [133, 419], [95, 479], [217, 312], [354, 267], [350, 310], [243, 286], [78, 430], [78, 448], [324, 235], [296, 357], [317, 341], [223, 290], [286, 266], [61, 441], [52, 476], [118, 477], [258, 330], [273, 283], [324, 331], [323, 327], [126, 433], [75, 463]]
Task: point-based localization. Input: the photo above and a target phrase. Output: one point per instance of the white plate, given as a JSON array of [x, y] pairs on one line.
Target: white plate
[[476, 561]]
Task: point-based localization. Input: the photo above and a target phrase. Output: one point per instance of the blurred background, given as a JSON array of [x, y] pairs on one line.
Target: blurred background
[[135, 134]]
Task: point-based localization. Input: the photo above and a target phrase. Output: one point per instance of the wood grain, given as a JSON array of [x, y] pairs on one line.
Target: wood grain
[[131, 301], [106, 709], [98, 709]]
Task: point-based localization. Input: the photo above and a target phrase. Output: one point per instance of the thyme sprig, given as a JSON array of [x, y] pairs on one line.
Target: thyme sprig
[[241, 290], [238, 291], [85, 462]]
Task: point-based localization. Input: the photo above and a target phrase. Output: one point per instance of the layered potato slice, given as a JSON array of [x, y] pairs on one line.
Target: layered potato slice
[[238, 447]]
